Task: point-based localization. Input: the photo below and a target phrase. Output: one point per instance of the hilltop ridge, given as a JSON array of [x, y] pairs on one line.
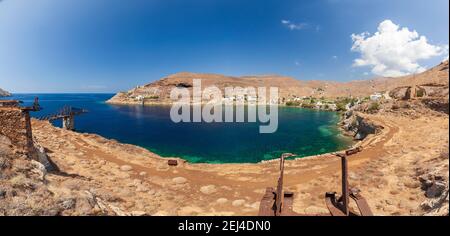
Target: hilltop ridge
[[159, 91]]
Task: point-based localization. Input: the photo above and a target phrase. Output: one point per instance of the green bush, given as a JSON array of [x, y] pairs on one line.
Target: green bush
[[153, 97], [340, 106], [420, 93], [292, 103], [308, 105], [374, 106]]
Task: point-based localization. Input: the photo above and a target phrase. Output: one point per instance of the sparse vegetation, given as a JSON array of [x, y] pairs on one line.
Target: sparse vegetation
[[340, 106], [342, 102], [308, 105], [152, 97], [420, 93], [373, 107], [293, 103]]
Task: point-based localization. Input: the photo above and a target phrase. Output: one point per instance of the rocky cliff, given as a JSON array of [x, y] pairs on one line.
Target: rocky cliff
[[3, 93]]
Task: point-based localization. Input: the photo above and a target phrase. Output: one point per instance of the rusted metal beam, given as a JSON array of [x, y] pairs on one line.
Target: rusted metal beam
[[361, 202], [345, 193], [340, 207], [172, 162], [332, 205], [277, 203], [266, 207], [279, 194], [288, 202], [353, 151]]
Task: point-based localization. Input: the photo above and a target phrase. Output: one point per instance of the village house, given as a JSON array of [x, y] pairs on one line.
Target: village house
[[376, 96], [252, 99], [140, 98]]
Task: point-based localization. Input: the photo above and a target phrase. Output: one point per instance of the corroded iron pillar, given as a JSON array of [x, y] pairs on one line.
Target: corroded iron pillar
[[345, 193], [68, 122]]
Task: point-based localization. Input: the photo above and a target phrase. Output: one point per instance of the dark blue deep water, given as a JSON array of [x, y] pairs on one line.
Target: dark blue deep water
[[301, 131]]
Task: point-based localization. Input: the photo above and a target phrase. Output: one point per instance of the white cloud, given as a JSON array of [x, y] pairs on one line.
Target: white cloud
[[335, 57], [394, 51], [294, 26]]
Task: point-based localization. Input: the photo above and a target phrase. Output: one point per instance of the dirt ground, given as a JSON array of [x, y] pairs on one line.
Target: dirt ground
[[134, 181]]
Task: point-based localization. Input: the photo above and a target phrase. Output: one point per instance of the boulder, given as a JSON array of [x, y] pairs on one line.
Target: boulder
[[239, 202], [179, 180], [436, 189], [222, 200], [142, 188], [126, 168], [208, 189]]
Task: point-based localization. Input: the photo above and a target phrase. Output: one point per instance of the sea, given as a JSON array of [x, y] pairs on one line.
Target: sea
[[303, 132]]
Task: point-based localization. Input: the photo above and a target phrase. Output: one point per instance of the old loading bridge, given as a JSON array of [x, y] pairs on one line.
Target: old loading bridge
[[67, 115]]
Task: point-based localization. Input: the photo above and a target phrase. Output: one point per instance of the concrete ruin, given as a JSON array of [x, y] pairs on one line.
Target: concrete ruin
[[419, 91]]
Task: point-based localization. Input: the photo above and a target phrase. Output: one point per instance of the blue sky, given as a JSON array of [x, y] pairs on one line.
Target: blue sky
[[114, 45]]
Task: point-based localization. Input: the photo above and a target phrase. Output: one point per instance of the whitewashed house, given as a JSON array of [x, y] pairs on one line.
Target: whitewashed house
[[140, 98], [252, 99], [376, 96]]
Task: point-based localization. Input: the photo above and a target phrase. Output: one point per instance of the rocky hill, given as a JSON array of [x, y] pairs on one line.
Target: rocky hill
[[3, 93], [402, 168], [159, 91]]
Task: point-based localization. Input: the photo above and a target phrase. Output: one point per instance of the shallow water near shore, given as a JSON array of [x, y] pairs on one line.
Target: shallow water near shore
[[303, 132]]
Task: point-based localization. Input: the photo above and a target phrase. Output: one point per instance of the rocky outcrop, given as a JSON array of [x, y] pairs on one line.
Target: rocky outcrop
[[22, 184], [4, 93], [439, 105], [357, 126], [434, 180], [25, 189]]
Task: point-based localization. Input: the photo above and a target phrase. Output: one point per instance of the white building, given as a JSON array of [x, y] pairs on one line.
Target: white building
[[332, 106], [252, 98], [140, 98], [376, 96]]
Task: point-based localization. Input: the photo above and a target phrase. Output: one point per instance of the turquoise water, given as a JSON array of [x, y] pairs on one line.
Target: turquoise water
[[301, 131]]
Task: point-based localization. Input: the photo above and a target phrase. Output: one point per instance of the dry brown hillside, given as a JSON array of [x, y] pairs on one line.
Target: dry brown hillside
[[159, 91]]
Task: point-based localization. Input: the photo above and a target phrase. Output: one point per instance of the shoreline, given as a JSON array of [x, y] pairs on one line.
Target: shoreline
[[338, 125], [159, 103], [356, 143]]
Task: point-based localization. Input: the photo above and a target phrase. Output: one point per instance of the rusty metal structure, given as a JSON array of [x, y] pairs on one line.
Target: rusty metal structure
[[339, 206], [16, 104], [67, 115], [172, 162], [279, 203]]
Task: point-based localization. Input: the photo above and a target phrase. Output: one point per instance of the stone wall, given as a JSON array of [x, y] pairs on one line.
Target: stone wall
[[16, 125]]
